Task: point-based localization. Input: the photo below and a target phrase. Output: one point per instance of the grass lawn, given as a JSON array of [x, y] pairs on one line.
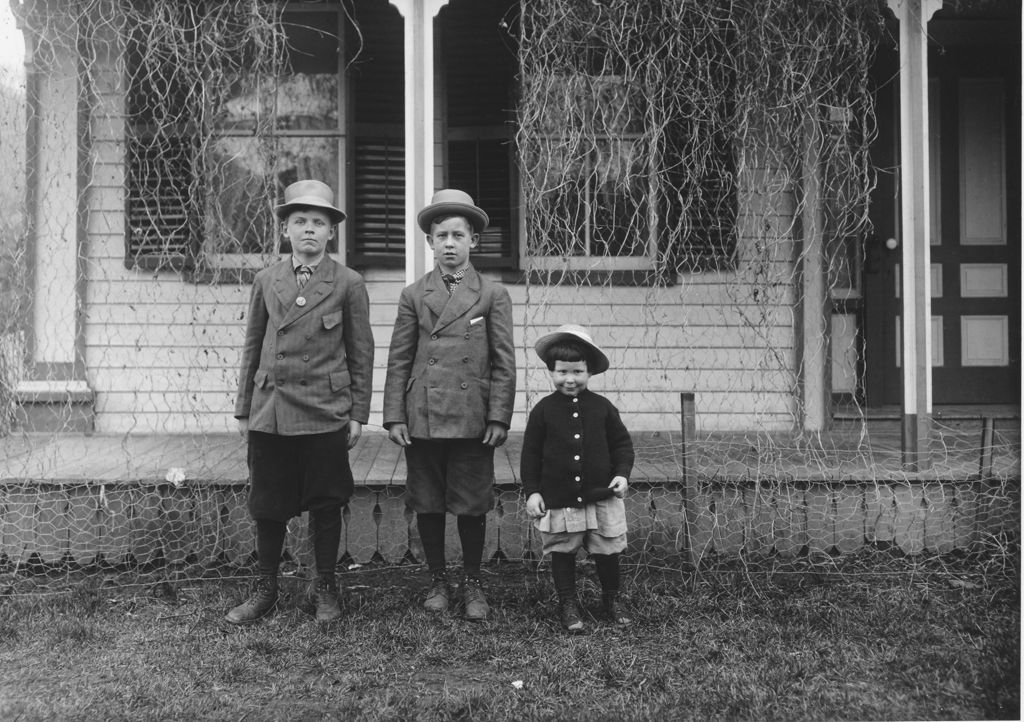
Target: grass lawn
[[718, 646]]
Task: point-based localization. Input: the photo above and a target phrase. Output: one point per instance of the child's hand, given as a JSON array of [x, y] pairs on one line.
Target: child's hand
[[619, 486], [399, 433], [495, 434], [243, 427], [535, 506]]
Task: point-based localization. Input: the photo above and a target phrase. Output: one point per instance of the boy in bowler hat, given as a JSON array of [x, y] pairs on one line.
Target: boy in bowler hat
[[449, 392], [303, 394]]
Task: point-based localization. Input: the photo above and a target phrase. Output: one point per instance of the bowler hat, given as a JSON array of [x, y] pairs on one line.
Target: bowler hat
[[597, 362], [309, 194], [450, 201]]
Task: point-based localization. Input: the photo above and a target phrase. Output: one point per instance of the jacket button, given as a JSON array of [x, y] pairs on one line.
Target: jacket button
[[280, 355], [433, 337], [465, 359], [467, 335], [280, 333], [575, 416], [464, 386], [576, 436], [432, 361], [579, 498], [576, 458], [305, 357], [577, 478], [303, 382]]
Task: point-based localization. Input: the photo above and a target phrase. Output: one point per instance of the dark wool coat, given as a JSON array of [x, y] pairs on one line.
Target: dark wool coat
[[451, 365], [306, 366], [572, 444]]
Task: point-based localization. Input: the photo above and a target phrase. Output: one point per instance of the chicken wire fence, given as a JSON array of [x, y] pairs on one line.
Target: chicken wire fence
[[695, 181]]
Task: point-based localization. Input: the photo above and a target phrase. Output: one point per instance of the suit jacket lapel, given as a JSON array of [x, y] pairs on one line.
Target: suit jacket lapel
[[464, 298], [316, 290], [435, 295], [282, 282]]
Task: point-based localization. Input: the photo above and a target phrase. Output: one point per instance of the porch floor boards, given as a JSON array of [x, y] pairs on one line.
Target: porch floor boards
[[853, 452]]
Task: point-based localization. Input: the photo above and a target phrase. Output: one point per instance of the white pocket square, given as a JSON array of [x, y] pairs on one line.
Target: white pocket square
[[478, 319]]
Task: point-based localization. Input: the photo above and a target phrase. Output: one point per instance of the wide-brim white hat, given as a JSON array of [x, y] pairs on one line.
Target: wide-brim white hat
[[573, 332], [309, 194], [448, 202]]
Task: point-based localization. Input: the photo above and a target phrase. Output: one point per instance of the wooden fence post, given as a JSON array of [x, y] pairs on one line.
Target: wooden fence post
[[689, 428], [985, 461]]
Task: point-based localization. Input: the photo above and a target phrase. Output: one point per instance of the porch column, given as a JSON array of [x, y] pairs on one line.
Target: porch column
[[419, 126], [815, 303], [915, 282], [55, 396]]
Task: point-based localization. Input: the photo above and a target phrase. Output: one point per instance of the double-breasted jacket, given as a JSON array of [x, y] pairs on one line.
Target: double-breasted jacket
[[307, 361], [451, 364]]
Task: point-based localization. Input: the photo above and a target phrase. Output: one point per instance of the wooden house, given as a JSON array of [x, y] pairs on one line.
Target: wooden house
[[778, 302], [137, 315]]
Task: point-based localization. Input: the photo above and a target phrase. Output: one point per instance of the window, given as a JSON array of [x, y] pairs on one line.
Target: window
[[615, 182], [593, 190], [214, 139]]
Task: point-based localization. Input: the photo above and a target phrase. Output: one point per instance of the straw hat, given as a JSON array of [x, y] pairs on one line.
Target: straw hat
[[572, 332], [309, 194], [448, 202]]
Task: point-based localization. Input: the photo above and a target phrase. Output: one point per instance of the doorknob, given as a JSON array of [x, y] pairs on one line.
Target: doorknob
[[891, 243]]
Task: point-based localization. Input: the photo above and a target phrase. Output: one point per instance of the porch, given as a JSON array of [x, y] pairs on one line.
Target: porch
[[180, 499]]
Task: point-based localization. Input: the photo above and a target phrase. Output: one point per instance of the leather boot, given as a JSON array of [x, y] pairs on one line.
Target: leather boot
[[438, 594], [474, 601], [613, 609], [261, 602], [327, 607], [570, 615]]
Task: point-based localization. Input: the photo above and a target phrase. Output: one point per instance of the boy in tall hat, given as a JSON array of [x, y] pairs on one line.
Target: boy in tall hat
[[449, 392], [303, 394]]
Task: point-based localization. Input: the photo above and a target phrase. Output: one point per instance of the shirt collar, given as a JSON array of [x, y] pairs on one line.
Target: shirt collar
[[296, 263]]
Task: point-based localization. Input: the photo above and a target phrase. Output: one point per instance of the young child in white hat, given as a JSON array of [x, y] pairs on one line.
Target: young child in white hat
[[576, 460]]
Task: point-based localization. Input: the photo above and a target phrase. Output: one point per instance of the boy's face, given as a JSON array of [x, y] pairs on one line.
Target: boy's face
[[309, 230], [451, 241], [570, 377]]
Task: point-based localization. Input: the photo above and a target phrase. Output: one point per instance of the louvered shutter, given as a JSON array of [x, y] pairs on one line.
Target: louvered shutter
[[376, 75], [479, 60], [161, 231]]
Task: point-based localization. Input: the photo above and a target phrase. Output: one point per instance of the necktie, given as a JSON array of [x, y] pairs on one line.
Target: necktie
[[449, 282], [302, 274]]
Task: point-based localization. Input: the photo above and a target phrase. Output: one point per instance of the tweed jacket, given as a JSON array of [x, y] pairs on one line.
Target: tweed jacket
[[572, 444], [451, 365], [307, 364]]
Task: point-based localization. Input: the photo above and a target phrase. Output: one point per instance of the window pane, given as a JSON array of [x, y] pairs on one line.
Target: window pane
[[244, 173], [619, 211], [304, 95]]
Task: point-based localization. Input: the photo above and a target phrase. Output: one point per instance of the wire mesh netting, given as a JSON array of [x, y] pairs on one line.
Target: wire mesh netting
[[695, 184]]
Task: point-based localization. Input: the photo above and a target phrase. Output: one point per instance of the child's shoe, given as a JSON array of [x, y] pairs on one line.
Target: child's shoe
[[613, 609], [263, 599], [438, 594], [327, 607], [474, 600], [570, 614]]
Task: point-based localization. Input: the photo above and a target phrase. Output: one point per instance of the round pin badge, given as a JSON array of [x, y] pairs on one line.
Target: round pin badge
[[300, 301]]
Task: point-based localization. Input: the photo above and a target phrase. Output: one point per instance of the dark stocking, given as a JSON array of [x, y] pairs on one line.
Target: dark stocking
[[269, 543], [471, 534], [326, 539], [431, 528]]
